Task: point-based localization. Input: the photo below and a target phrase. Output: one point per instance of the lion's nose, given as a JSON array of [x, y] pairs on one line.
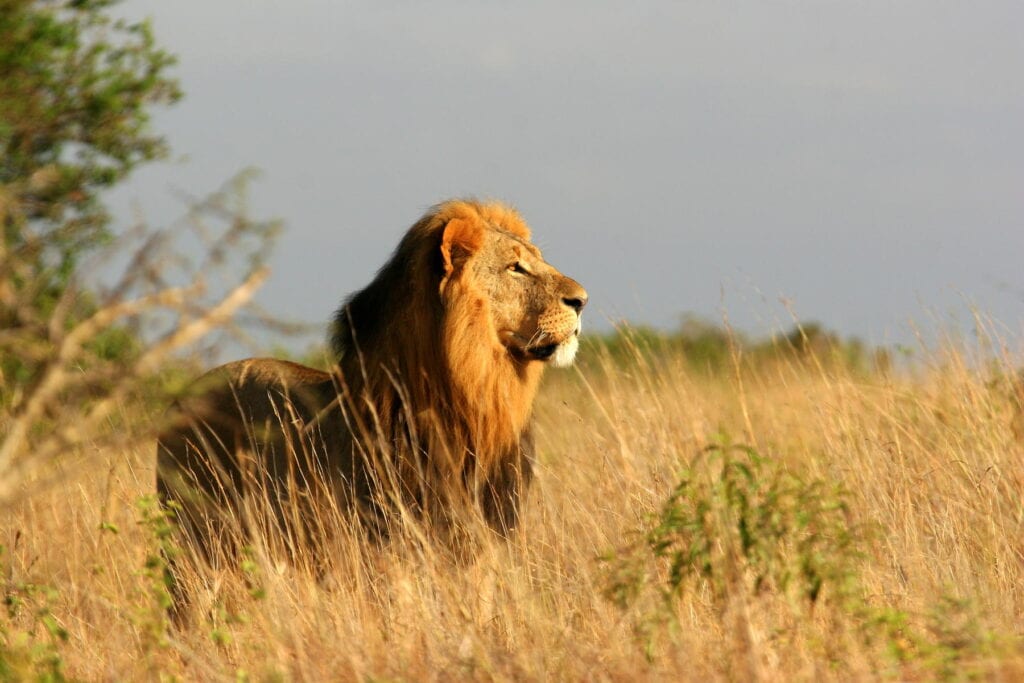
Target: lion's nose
[[576, 302]]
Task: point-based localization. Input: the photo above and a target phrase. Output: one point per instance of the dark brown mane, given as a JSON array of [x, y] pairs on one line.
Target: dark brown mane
[[365, 317]]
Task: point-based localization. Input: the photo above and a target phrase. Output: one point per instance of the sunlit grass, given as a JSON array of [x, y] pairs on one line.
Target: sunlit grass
[[931, 584]]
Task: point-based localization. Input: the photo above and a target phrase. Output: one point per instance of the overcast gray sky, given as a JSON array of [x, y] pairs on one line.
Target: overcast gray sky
[[864, 160]]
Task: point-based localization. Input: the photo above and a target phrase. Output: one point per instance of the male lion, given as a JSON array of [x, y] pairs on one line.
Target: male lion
[[426, 410]]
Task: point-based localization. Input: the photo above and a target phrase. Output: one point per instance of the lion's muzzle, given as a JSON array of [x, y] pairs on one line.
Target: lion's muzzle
[[559, 327]]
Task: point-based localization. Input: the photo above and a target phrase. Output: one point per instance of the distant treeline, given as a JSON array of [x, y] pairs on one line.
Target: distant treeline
[[709, 346]]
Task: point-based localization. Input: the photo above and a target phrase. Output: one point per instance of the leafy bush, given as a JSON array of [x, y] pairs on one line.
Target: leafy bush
[[739, 528], [31, 637], [740, 522]]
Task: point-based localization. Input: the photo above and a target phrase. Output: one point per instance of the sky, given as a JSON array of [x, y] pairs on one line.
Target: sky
[[855, 163]]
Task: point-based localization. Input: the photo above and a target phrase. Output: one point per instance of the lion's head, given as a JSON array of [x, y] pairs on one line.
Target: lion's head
[[530, 310], [471, 264]]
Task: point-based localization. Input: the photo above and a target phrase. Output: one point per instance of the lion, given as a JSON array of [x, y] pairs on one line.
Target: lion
[[425, 411]]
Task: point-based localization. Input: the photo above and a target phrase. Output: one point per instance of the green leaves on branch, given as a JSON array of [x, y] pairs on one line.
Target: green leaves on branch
[[76, 87]]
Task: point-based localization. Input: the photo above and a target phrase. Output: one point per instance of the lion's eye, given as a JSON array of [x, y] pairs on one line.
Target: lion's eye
[[518, 269]]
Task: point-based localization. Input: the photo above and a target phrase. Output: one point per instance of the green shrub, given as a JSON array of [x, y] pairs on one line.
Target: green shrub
[[31, 637], [738, 521]]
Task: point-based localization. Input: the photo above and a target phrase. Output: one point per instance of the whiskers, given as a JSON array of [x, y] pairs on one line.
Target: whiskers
[[538, 337]]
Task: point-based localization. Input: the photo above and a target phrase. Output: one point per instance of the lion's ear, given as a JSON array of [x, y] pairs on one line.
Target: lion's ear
[[461, 239]]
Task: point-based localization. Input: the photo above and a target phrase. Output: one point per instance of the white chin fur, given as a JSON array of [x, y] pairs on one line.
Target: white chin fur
[[565, 353]]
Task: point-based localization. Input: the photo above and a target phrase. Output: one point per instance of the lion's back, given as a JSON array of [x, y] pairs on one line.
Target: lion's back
[[243, 406]]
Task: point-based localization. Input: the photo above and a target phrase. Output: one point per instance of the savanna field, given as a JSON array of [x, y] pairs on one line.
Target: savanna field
[[707, 505], [736, 515]]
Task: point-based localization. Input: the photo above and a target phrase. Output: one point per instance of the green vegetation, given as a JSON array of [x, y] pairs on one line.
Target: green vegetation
[[76, 90], [31, 637], [739, 523], [707, 347]]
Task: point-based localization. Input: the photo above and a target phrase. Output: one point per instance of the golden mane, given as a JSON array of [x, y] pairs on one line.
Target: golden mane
[[413, 353]]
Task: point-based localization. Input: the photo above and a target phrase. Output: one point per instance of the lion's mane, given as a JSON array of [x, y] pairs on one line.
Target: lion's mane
[[420, 382]]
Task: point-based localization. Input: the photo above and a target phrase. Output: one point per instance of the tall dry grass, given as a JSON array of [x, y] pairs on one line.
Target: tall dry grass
[[927, 456]]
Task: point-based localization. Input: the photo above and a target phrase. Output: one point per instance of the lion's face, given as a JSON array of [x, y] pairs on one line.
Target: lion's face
[[534, 310]]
